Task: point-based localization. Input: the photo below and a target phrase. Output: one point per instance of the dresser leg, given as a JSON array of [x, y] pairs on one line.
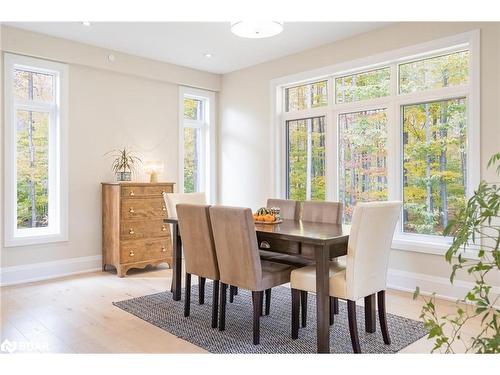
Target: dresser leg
[[120, 271]]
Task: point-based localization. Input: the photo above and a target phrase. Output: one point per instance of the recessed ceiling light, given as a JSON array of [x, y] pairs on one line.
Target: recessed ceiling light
[[256, 29], [86, 23], [208, 55]]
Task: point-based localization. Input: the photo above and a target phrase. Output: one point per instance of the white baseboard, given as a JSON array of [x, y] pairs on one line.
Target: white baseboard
[[428, 284], [49, 270]]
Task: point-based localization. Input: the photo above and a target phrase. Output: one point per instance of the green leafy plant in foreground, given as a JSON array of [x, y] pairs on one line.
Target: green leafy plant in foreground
[[476, 226]]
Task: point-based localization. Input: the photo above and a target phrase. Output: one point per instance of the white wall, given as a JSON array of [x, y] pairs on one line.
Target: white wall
[[110, 105], [245, 110]]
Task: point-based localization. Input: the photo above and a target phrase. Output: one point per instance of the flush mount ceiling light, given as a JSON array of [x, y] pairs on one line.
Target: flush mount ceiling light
[[256, 29], [86, 23]]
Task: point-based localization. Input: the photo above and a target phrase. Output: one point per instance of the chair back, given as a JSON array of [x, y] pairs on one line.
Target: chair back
[[197, 240], [173, 199], [322, 212], [370, 239], [289, 209], [236, 246]]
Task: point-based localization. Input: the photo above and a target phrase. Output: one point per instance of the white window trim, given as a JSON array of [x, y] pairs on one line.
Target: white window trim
[[208, 129], [58, 155], [469, 40]]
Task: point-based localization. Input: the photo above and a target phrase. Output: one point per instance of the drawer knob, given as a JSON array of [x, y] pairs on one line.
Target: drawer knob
[[163, 249], [131, 253], [265, 245], [131, 210], [131, 231], [163, 228], [164, 208], [131, 193]]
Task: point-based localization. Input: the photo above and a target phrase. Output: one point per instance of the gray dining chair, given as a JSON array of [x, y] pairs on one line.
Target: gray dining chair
[[364, 273], [239, 261], [199, 253]]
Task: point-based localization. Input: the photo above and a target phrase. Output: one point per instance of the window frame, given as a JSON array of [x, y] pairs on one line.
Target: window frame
[[394, 103], [207, 128], [57, 230]]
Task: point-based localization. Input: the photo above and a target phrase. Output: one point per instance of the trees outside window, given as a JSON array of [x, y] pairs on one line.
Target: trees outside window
[[197, 142], [399, 131], [36, 188]]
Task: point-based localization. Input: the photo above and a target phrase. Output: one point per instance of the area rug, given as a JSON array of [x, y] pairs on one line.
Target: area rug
[[275, 337]]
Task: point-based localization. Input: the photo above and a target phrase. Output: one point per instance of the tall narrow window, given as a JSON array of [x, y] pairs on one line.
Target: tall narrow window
[[434, 164], [306, 159], [362, 157], [35, 126], [197, 141]]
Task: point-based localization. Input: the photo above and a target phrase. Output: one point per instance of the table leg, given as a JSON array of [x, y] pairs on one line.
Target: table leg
[[177, 263], [322, 299]]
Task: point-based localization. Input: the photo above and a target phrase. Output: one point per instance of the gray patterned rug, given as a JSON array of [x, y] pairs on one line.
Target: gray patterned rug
[[160, 310]]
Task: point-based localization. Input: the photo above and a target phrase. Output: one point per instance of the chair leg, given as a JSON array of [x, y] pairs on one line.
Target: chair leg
[[370, 322], [335, 305], [382, 317], [232, 293], [332, 310], [215, 303], [303, 302], [235, 290], [222, 307], [187, 298], [201, 290], [268, 301], [295, 313], [257, 309], [353, 326]]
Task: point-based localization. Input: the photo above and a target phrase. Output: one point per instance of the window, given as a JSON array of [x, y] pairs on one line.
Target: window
[[306, 159], [305, 125], [197, 162], [36, 187], [362, 86], [362, 158], [405, 128]]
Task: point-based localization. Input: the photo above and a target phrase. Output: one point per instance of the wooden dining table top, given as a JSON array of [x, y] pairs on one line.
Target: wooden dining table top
[[300, 231]]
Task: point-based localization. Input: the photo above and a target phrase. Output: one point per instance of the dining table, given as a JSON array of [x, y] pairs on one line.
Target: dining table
[[328, 240]]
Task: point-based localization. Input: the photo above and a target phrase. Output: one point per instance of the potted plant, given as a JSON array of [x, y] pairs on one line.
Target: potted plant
[[477, 225], [124, 164]]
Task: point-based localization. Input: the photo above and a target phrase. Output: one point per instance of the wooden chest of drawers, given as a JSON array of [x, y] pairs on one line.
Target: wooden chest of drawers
[[133, 233]]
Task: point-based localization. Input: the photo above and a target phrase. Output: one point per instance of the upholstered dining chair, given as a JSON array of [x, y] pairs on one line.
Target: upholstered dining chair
[[239, 261], [199, 253], [173, 199], [319, 212], [365, 271]]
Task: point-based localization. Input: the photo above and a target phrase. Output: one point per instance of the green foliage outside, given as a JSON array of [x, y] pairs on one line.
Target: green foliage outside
[[363, 158]]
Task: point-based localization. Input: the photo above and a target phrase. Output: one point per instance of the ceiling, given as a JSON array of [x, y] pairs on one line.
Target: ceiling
[[186, 43]]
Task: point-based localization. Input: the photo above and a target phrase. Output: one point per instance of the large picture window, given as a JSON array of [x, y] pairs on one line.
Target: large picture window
[[406, 129], [197, 162], [36, 194]]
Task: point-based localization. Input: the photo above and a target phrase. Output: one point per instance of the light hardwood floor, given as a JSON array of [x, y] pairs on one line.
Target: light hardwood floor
[[75, 315]]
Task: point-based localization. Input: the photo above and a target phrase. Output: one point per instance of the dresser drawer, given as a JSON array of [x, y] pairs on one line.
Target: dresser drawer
[[135, 230], [145, 208], [139, 191], [143, 250]]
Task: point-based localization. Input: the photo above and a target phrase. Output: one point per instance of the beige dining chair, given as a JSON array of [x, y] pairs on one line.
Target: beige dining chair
[[239, 261], [173, 199], [364, 273], [289, 209], [199, 253], [319, 212]]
